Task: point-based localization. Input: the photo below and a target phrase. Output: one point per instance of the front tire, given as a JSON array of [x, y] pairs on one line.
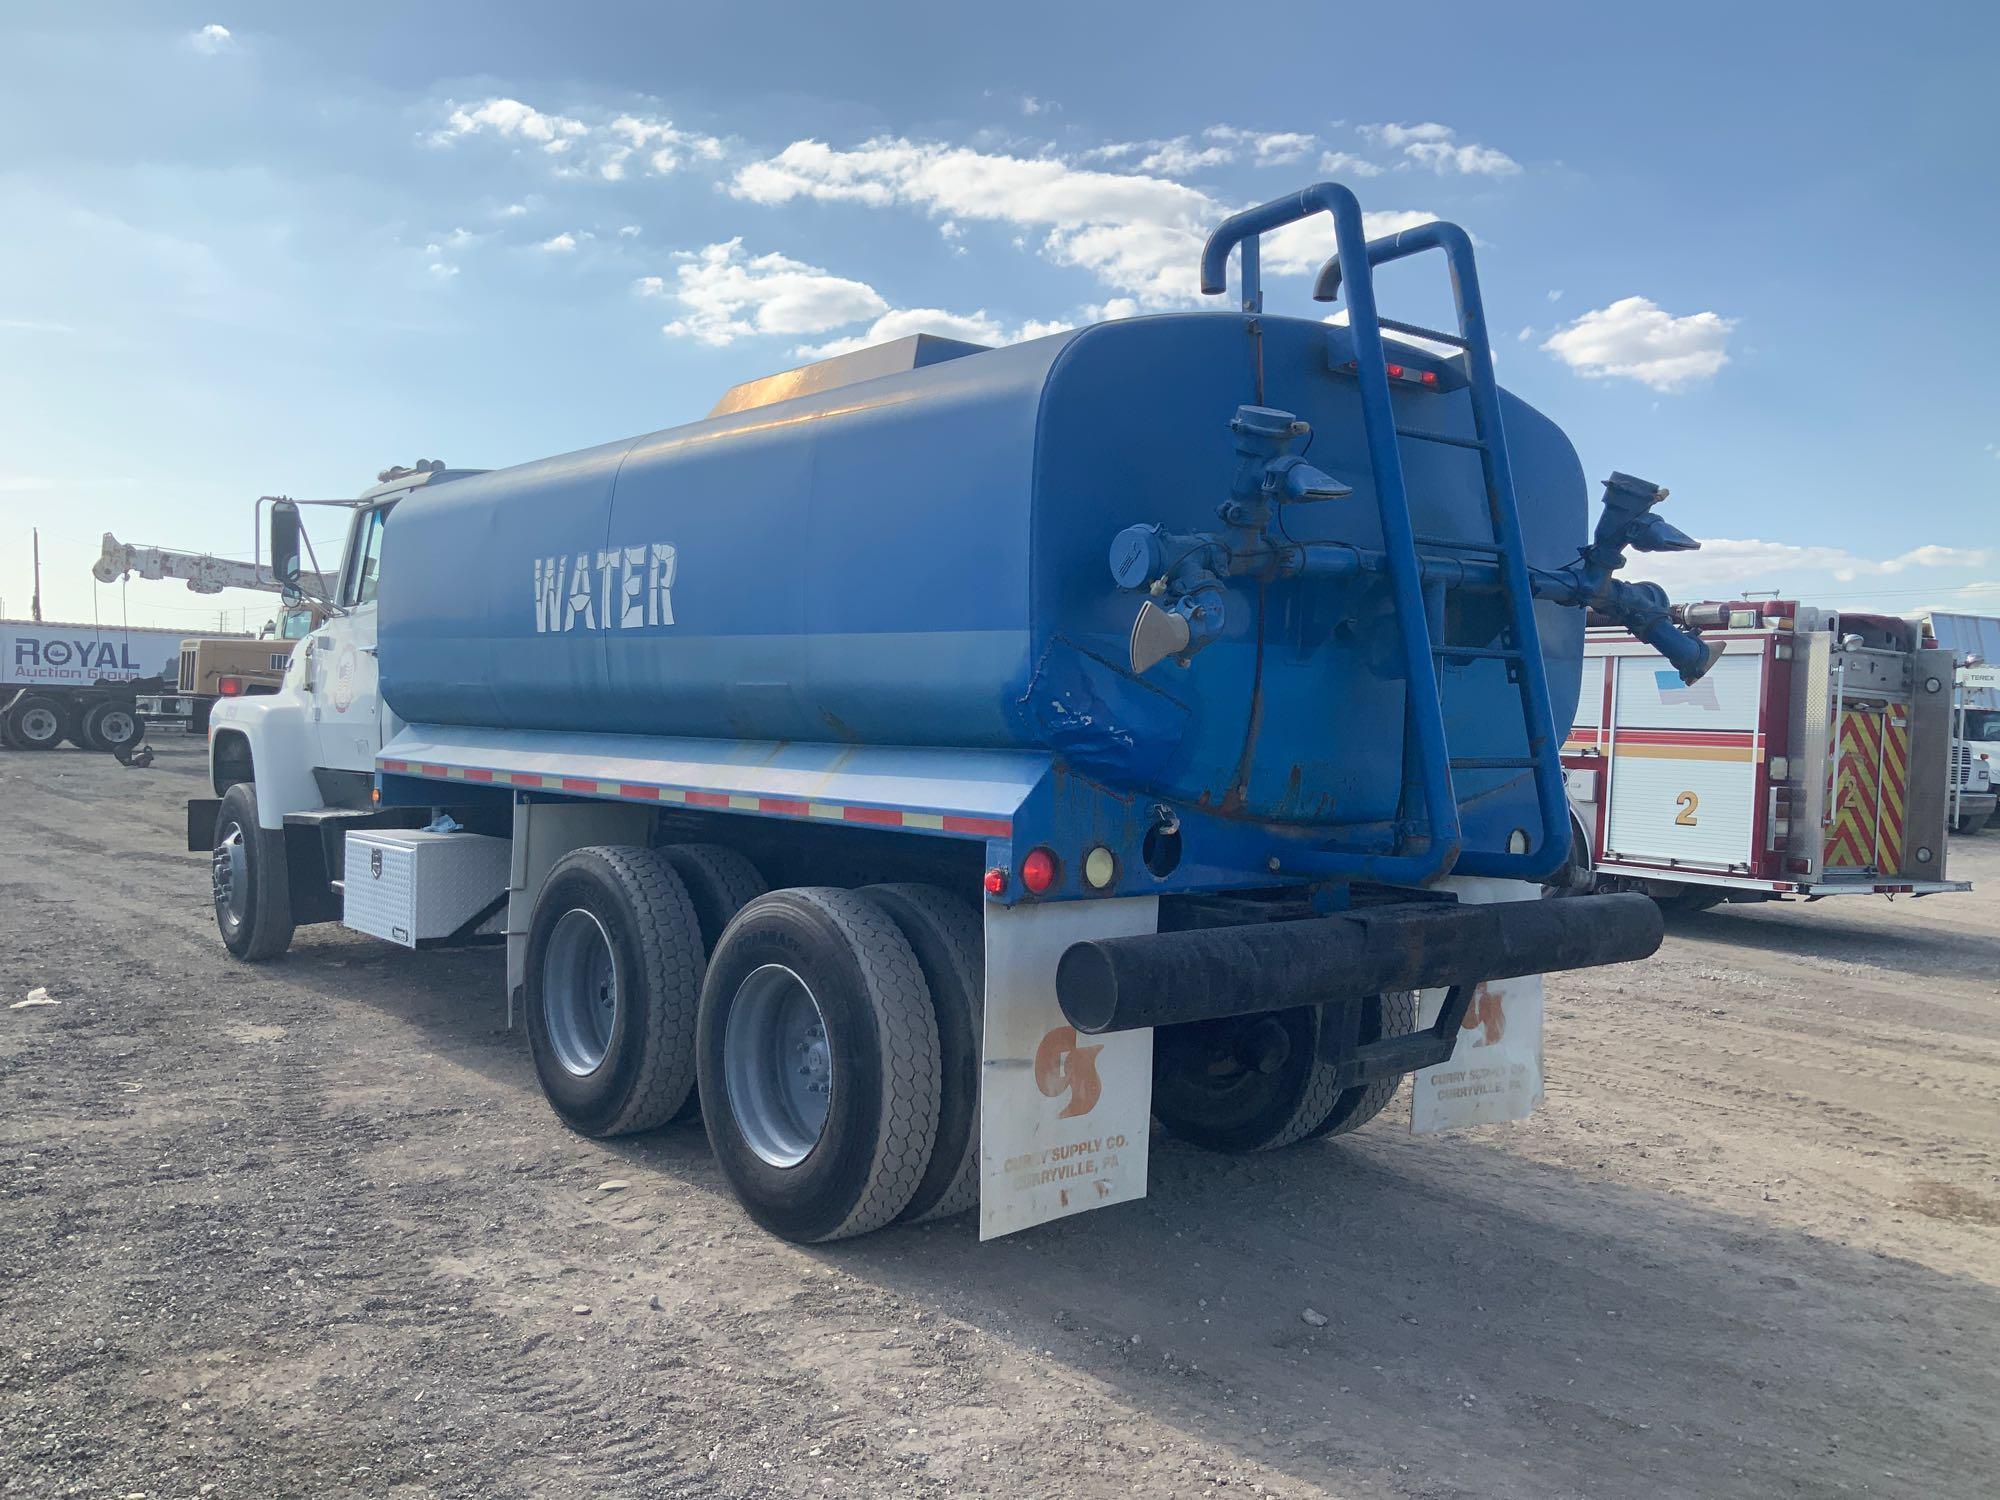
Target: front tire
[[818, 1052], [614, 970], [248, 879]]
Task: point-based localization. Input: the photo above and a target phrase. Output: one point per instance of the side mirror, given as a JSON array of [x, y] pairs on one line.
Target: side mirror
[[285, 545]]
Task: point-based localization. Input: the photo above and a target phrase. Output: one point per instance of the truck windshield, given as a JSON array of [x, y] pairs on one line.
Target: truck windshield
[[1982, 724]]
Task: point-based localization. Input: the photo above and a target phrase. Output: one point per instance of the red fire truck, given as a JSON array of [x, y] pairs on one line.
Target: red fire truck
[[1812, 760]]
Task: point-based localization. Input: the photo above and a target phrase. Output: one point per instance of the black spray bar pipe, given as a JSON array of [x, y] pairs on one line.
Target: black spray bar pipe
[[1161, 979]]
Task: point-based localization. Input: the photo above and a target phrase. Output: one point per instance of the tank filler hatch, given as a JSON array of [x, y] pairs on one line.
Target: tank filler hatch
[[911, 353]]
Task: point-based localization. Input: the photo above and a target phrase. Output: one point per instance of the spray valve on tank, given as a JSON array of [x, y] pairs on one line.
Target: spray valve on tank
[[1182, 572], [1642, 608]]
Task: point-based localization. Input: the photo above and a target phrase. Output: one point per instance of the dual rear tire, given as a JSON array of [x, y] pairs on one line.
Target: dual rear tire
[[1256, 1083], [829, 1036], [42, 721]]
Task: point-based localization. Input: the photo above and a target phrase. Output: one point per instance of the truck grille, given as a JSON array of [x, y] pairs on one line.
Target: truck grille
[[187, 682]]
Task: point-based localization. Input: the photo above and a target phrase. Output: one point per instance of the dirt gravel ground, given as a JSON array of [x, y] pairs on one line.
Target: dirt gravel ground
[[308, 1229]]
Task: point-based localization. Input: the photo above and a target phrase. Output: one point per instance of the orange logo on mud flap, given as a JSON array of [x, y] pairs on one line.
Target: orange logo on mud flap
[[1484, 1012], [1064, 1067]]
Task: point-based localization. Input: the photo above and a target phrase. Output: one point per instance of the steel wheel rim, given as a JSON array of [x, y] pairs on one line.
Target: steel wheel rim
[[777, 1066], [228, 876], [116, 726], [40, 725], [580, 998]]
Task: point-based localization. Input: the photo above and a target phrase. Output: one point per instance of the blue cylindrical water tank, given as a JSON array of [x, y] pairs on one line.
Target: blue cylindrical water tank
[[919, 559]]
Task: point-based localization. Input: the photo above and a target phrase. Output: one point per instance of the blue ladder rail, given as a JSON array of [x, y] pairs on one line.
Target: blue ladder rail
[[1421, 657]]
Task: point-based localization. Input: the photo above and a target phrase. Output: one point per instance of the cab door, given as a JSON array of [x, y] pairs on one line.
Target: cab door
[[347, 701]]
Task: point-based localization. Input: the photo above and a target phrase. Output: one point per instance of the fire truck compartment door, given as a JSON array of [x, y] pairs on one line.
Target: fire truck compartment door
[[1684, 763]]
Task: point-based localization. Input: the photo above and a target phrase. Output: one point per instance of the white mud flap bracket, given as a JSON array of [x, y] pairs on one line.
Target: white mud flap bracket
[[1063, 1119]]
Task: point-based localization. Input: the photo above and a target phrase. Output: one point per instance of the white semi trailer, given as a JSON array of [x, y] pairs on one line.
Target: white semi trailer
[[79, 682]]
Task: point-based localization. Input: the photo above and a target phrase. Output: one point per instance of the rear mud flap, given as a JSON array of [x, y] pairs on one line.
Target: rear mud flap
[[1495, 1073], [1063, 1119]]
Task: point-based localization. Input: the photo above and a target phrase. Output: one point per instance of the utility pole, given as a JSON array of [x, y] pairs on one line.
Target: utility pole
[[38, 575]]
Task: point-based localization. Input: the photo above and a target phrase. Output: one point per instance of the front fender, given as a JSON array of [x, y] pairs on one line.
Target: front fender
[[283, 749]]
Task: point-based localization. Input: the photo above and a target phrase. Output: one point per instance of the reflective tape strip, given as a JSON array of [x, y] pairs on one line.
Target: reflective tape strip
[[923, 819]]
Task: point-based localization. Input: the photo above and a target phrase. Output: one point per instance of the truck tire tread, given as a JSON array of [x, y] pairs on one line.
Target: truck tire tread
[[269, 915], [946, 936], [860, 1184], [720, 882], [666, 940]]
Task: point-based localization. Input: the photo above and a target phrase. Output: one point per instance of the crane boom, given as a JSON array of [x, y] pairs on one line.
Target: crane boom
[[204, 572]]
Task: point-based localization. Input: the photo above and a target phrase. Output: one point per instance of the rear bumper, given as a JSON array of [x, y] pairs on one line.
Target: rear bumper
[[1869, 887], [1168, 978]]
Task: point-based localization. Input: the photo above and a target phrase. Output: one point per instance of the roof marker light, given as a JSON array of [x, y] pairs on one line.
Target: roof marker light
[[1430, 377]]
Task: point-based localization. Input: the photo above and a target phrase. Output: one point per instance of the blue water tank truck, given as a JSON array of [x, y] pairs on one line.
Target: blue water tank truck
[[940, 762]]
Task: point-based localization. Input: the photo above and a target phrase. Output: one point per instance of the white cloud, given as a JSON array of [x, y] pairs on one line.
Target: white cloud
[[665, 145], [1728, 563], [974, 328], [1555, 294], [1396, 137], [513, 120], [628, 231], [212, 40], [725, 295], [558, 244], [513, 210], [1181, 157], [1436, 146], [1140, 235], [1030, 105], [443, 270], [1636, 339], [1268, 148], [1304, 246], [1346, 164]]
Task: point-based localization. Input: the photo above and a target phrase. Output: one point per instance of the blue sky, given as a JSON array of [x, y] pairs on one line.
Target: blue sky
[[1743, 250]]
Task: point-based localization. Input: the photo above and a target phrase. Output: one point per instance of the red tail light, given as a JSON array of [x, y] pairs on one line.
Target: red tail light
[[1038, 870], [230, 687]]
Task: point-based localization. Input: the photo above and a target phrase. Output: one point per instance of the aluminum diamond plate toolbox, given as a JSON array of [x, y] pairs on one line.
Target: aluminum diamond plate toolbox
[[409, 886]]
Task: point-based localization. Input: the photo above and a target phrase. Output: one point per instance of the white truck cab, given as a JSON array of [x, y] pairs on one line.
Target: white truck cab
[[1975, 754], [312, 744]]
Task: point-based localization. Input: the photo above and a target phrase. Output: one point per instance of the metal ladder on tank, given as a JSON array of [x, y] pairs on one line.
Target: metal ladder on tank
[[1423, 658]]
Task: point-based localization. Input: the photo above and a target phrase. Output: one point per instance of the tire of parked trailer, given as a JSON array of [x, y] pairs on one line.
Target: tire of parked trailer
[[112, 726], [818, 1061], [37, 721], [720, 882], [944, 934], [248, 879], [1256, 1083], [613, 976]]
